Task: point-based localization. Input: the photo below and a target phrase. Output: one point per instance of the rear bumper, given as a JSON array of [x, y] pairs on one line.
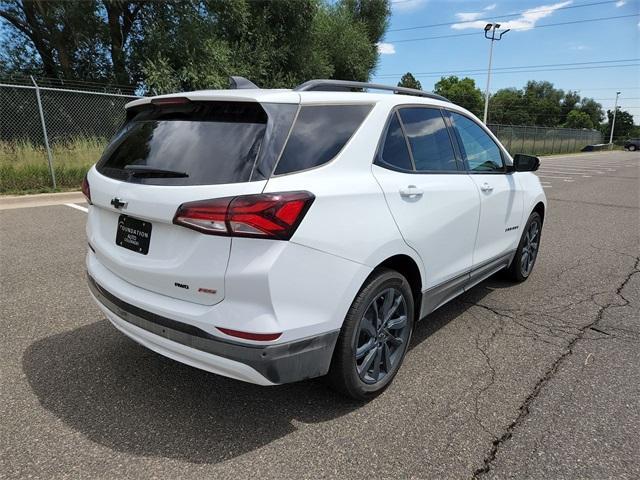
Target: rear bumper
[[263, 365]]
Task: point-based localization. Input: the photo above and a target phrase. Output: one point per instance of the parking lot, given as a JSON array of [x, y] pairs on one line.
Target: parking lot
[[537, 380]]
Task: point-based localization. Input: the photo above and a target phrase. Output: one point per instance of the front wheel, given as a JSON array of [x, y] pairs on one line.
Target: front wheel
[[632, 148], [527, 252], [374, 337]]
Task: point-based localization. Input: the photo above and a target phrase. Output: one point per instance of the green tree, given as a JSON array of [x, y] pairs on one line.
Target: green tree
[[578, 119], [461, 91], [509, 106], [623, 127], [345, 41], [373, 14], [544, 103], [275, 44], [77, 39], [539, 103], [568, 103], [184, 49], [176, 45], [409, 81], [593, 109]]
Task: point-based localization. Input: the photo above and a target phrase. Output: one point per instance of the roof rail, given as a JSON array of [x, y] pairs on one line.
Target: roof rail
[[348, 85]]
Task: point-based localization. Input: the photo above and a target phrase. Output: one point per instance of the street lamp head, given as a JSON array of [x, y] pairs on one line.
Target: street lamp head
[[488, 27], [496, 25], [618, 93]]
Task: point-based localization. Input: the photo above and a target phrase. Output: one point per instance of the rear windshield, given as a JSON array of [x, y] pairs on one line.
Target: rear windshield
[[198, 143]]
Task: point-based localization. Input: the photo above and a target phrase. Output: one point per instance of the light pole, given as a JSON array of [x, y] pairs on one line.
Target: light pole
[[490, 27], [613, 122]]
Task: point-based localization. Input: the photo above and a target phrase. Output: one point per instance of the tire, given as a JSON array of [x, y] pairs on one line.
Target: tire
[[632, 148], [362, 335], [523, 262]]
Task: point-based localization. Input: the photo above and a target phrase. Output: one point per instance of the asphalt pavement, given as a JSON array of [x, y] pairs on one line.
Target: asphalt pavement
[[536, 380]]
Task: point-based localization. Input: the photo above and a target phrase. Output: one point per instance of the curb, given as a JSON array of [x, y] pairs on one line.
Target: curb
[[8, 202]]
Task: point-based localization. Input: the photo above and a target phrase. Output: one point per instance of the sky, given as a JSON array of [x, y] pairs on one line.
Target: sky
[[594, 48]]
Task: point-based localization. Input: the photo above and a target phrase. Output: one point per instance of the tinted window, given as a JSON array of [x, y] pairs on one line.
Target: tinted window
[[210, 142], [429, 139], [480, 151], [395, 151], [319, 134]]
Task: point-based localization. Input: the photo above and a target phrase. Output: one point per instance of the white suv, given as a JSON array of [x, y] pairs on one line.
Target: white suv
[[277, 235]]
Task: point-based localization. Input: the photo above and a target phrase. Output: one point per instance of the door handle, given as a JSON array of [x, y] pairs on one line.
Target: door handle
[[486, 188], [411, 191]]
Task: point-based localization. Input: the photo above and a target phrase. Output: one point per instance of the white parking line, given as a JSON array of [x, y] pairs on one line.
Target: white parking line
[[587, 162], [566, 179], [590, 165], [77, 207], [593, 164], [564, 172], [571, 165], [583, 155], [586, 169], [588, 158]]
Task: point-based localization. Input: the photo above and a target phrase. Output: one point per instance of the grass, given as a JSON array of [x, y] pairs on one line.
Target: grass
[[24, 167]]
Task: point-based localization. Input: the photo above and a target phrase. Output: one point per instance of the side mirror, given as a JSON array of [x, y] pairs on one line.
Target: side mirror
[[525, 163]]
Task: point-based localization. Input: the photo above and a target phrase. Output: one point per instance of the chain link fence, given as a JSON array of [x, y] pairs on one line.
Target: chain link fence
[[544, 140], [49, 137]]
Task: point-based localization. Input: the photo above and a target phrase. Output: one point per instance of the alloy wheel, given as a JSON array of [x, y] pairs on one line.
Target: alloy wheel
[[382, 336], [530, 248]]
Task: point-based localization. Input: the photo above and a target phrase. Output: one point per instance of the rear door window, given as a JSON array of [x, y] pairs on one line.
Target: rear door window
[[196, 143], [429, 139], [319, 133]]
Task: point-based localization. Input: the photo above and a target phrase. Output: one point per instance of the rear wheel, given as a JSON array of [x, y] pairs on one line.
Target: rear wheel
[[374, 337], [527, 252], [632, 148]]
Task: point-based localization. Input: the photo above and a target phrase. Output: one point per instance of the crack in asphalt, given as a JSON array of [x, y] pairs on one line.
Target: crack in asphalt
[[625, 330], [524, 407], [579, 262], [492, 374], [601, 248], [551, 329]]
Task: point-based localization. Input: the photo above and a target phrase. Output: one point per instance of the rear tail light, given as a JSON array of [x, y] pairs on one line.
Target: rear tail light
[[86, 190], [267, 215]]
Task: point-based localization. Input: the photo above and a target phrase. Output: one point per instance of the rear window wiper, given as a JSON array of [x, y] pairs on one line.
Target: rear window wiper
[[148, 171]]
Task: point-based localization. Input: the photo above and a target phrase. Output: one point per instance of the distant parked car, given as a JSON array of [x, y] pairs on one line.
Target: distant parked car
[[277, 235], [632, 144]]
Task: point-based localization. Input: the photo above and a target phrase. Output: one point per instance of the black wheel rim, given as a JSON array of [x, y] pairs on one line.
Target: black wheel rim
[[530, 248], [382, 336]]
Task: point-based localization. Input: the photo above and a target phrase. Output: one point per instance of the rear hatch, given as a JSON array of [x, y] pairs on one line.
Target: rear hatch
[[168, 153]]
